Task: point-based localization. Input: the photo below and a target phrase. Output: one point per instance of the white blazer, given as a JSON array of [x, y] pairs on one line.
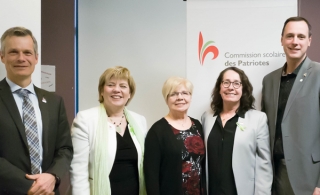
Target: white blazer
[[251, 158], [83, 132]]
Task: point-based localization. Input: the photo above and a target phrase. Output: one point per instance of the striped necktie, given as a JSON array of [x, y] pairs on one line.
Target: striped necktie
[[30, 124]]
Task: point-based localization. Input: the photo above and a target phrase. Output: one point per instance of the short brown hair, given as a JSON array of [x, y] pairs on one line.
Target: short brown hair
[[296, 19], [246, 100], [19, 32], [117, 72]]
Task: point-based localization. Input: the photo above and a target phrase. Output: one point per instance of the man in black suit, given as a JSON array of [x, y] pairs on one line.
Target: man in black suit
[[19, 53]]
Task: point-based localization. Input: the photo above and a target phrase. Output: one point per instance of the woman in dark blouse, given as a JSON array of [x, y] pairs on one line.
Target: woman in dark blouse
[[108, 141], [237, 139], [174, 147]]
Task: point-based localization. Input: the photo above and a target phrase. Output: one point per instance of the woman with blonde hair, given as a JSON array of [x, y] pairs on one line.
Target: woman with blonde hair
[[175, 151], [108, 141]]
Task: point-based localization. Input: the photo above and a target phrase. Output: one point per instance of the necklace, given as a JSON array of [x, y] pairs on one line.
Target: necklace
[[118, 126], [178, 123], [226, 117], [183, 122]]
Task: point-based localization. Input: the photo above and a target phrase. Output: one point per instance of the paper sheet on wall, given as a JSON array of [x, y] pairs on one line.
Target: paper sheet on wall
[[48, 77]]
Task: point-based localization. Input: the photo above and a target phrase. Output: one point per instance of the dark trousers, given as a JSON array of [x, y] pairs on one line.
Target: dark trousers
[[281, 183]]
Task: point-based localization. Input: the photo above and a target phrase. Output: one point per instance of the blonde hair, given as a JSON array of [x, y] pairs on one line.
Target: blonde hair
[[18, 32], [172, 84], [117, 72]]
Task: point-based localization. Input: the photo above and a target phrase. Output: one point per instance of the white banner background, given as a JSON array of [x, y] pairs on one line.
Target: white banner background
[[235, 27]]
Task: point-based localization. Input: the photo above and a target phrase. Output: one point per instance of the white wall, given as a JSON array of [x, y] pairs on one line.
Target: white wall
[[146, 36], [27, 14]]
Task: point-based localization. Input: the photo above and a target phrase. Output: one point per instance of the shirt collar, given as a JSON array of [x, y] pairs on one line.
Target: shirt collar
[[14, 87], [296, 71], [240, 113]]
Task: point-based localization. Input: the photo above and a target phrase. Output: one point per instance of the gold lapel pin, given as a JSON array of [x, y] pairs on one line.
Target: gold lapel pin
[[305, 74]]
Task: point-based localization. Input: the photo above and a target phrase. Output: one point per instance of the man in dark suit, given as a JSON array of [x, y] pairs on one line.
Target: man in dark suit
[[291, 100], [20, 173]]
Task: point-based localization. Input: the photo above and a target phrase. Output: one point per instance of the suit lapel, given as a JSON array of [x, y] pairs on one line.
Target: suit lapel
[[208, 125], [276, 87], [9, 102], [241, 122], [238, 136], [43, 105], [298, 84]]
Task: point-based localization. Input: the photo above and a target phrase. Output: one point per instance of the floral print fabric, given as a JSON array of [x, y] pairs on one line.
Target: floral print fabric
[[192, 154]]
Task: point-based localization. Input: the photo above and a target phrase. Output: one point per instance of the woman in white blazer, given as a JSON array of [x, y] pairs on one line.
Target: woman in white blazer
[[108, 141], [236, 138]]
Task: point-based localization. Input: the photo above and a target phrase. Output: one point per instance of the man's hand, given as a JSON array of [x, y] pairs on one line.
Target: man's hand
[[43, 184], [316, 191]]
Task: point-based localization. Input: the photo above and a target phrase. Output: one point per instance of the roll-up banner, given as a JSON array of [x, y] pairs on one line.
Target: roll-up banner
[[245, 34]]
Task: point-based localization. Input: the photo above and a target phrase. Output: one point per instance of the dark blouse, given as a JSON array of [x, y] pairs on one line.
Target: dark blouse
[[124, 178], [192, 152], [220, 147], [286, 85]]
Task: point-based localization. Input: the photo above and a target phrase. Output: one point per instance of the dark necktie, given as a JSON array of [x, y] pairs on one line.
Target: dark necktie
[[30, 124]]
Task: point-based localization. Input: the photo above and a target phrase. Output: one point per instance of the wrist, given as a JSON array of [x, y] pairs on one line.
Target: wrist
[[58, 180]]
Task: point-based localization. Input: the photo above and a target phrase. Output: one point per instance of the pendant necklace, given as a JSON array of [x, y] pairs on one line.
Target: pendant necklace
[[118, 126], [227, 117], [183, 122]]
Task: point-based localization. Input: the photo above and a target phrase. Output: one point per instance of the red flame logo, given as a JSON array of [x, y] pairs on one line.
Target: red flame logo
[[203, 50]]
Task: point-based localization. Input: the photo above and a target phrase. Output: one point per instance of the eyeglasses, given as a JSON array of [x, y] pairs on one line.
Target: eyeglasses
[[183, 94], [235, 84]]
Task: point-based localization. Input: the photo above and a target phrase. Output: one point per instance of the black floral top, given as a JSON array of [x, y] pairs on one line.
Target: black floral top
[[193, 151]]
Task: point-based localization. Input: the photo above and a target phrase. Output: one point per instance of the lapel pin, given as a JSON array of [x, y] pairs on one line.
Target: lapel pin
[[305, 74], [301, 80], [44, 100]]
